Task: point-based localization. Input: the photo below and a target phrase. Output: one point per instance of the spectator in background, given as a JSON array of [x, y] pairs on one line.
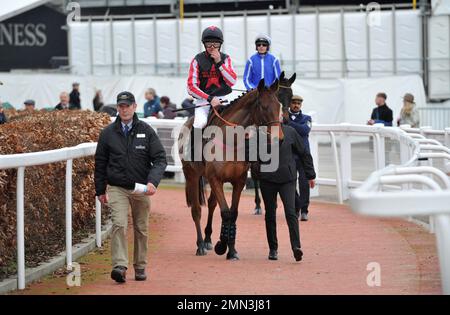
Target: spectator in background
[[2, 114], [29, 106], [382, 113], [75, 102], [188, 105], [302, 124], [63, 101], [98, 100], [152, 107], [167, 108], [409, 114]]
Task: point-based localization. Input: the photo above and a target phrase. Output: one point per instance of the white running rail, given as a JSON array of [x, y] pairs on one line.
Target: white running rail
[[414, 147]]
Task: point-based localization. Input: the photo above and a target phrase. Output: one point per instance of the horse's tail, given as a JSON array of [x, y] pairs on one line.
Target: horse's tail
[[192, 193]]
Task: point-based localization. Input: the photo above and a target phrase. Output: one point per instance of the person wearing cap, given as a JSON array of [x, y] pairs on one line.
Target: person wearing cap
[[381, 114], [262, 64], [75, 102], [3, 118], [29, 106], [302, 124], [64, 100], [409, 114], [211, 76], [129, 152]]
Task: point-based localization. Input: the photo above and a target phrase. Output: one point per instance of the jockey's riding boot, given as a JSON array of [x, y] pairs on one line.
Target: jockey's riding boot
[[196, 144]]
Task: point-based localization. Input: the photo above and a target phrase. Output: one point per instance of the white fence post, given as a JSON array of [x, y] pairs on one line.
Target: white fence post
[[69, 214], [345, 163], [443, 247], [338, 168], [314, 148], [98, 222], [20, 228], [447, 137]]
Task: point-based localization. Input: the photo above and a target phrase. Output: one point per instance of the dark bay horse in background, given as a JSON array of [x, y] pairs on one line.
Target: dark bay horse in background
[[284, 96], [258, 107]]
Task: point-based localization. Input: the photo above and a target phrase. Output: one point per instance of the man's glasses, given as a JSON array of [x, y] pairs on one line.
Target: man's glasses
[[261, 45], [297, 102], [211, 44]]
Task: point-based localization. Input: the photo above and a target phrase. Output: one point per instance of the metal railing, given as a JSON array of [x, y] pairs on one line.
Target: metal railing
[[436, 116], [415, 148], [432, 200], [20, 162], [411, 190]]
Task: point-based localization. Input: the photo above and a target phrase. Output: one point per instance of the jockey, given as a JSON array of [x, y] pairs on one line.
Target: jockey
[[261, 65], [211, 76]]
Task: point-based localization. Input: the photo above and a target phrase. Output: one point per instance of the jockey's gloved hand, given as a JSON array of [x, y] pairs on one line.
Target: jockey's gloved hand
[[215, 101]]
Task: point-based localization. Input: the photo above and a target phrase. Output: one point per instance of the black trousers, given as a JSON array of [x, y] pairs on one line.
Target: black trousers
[[302, 197], [269, 192]]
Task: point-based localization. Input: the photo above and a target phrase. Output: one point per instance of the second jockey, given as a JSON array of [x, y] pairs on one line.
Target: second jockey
[[262, 64]]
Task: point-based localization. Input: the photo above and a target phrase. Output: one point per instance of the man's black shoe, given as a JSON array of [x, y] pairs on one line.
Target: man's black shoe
[[273, 255], [298, 254], [139, 275], [119, 274]]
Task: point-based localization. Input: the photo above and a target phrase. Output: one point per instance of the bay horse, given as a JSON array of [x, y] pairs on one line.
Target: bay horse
[[284, 96], [258, 107]]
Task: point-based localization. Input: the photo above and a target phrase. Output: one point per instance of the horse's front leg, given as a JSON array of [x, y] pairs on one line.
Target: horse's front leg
[[212, 203], [237, 190], [217, 190]]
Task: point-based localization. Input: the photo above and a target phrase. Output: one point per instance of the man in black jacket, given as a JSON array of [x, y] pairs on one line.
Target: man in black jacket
[[128, 153], [381, 114], [282, 181]]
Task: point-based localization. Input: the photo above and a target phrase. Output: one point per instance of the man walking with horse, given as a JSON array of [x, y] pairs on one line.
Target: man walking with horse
[[282, 181]]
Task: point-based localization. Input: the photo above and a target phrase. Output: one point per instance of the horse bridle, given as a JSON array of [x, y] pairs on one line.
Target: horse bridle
[[232, 124]]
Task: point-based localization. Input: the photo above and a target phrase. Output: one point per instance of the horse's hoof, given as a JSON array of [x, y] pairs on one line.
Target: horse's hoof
[[208, 245], [232, 256], [220, 248], [258, 211], [201, 251]]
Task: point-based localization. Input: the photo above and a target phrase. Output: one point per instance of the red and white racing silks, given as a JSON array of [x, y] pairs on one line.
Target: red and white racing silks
[[197, 80]]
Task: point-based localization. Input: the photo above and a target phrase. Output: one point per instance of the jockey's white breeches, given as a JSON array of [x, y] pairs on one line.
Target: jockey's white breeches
[[201, 113]]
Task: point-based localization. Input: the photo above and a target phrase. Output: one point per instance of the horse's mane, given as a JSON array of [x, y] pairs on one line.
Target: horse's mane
[[236, 101]]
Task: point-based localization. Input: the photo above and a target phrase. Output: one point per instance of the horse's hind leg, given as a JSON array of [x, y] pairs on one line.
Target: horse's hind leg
[[258, 209], [196, 211], [212, 203], [237, 190]]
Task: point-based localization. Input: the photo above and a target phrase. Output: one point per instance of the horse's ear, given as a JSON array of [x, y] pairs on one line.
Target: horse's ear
[[274, 86], [261, 85], [282, 76], [292, 79]]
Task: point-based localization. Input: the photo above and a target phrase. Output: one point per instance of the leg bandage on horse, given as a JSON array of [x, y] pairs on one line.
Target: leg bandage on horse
[[232, 233], [225, 232]]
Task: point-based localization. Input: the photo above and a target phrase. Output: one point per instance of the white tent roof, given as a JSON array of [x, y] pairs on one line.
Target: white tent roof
[[9, 9]]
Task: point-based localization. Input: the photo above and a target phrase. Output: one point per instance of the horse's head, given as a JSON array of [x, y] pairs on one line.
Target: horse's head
[[285, 91], [268, 109]]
